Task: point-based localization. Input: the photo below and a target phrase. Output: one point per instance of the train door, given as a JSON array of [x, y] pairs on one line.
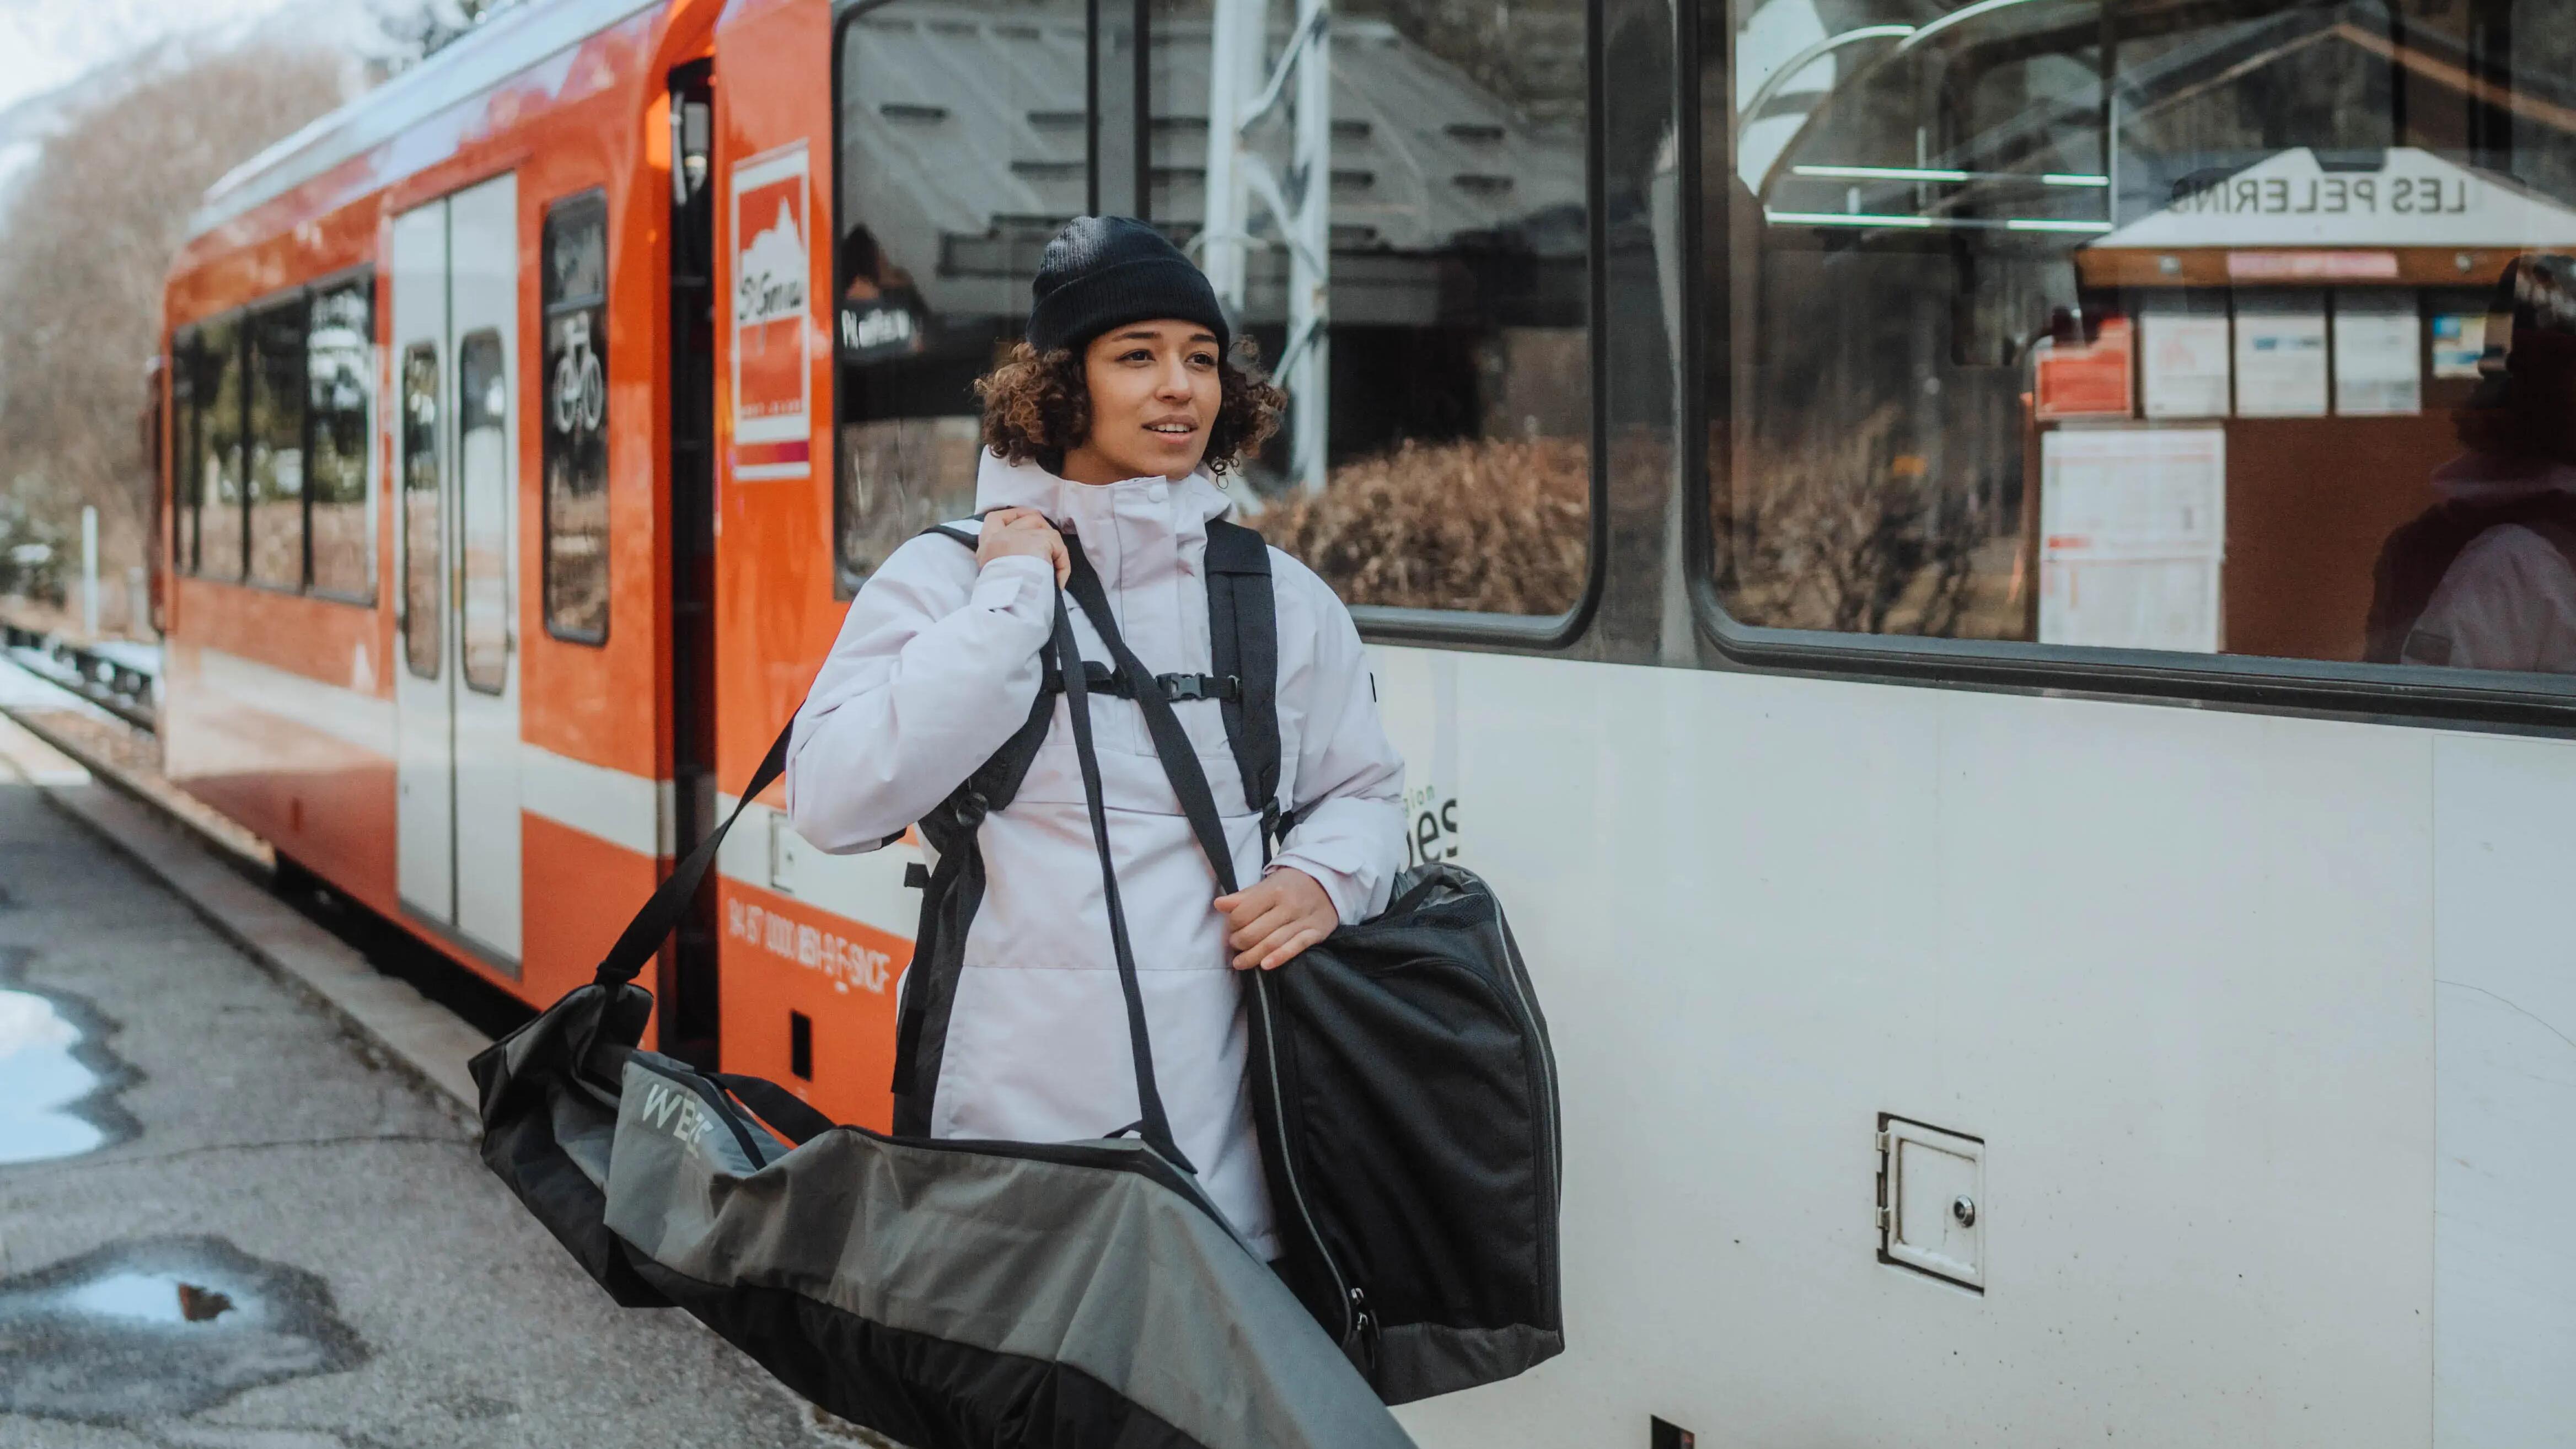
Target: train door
[[459, 700], [425, 753]]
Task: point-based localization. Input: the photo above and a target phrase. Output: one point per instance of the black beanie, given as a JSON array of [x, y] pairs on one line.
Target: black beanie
[[2531, 326], [1106, 271]]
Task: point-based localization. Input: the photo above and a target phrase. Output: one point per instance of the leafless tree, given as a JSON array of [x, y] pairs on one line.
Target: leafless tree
[[84, 251], [414, 30], [1847, 533]]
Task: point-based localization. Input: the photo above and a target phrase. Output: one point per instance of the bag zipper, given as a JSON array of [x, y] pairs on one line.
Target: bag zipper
[[1547, 1074], [1353, 1301]]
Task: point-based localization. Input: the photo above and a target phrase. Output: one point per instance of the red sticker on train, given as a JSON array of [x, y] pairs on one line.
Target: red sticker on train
[[772, 315]]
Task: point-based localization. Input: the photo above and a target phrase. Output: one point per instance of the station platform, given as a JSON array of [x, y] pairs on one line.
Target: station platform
[[238, 1212]]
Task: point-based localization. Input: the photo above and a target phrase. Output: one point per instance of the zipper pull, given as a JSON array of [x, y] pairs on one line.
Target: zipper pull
[[1363, 1334]]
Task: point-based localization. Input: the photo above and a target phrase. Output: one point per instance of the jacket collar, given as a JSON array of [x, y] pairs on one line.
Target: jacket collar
[[1000, 483], [2485, 478]]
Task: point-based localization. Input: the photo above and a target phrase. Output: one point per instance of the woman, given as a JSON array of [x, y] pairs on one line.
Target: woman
[[1106, 430], [2486, 579]]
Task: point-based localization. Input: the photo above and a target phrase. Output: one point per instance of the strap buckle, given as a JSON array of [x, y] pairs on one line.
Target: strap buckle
[[1182, 688]]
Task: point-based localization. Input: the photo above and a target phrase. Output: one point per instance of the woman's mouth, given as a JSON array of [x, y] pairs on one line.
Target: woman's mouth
[[1177, 429]]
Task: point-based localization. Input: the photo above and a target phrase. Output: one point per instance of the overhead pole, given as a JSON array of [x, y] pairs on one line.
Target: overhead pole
[[1246, 91]]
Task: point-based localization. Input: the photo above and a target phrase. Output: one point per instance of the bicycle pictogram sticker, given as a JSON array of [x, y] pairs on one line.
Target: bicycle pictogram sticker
[[581, 385]]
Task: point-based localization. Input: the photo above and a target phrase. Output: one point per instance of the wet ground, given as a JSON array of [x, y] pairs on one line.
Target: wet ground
[[222, 1226]]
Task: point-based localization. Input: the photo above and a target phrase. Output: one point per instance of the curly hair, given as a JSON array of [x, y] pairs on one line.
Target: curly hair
[[1036, 405]]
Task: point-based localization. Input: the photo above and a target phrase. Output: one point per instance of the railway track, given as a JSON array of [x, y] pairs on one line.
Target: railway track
[[123, 679]]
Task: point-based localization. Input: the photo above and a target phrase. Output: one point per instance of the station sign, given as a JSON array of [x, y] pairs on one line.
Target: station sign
[[2411, 198]]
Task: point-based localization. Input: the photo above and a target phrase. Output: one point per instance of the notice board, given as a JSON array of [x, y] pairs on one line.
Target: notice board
[[2133, 530]]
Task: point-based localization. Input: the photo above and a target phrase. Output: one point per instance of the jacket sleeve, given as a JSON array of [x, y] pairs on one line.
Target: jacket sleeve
[[929, 676], [1349, 782]]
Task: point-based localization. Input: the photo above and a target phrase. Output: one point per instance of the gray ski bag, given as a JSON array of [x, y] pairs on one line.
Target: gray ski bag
[[946, 1293]]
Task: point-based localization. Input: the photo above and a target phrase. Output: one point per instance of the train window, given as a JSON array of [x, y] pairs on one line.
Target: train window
[[340, 348], [2147, 327], [276, 439], [423, 520], [1437, 453], [483, 509], [964, 144], [576, 418], [187, 474], [220, 396]]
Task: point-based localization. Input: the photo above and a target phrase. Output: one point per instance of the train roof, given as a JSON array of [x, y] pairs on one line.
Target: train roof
[[510, 42]]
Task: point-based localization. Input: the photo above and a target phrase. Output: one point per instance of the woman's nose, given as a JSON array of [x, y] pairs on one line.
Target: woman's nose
[[1172, 379]]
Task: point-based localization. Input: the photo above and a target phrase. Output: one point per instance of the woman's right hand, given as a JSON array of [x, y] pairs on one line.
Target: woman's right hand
[[1023, 531]]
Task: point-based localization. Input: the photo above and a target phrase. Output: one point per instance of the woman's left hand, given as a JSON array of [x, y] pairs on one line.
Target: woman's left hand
[[1274, 918]]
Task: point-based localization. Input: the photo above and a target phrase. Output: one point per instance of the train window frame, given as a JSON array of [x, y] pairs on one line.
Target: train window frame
[[187, 340], [1378, 623], [2375, 693], [362, 276], [233, 323], [568, 206], [1471, 629], [462, 571], [847, 581], [405, 615], [298, 302]]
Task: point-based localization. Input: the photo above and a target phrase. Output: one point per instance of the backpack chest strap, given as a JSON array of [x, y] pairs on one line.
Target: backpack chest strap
[[1175, 688]]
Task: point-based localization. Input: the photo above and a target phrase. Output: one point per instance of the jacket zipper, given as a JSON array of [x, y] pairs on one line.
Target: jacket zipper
[[1353, 1302]]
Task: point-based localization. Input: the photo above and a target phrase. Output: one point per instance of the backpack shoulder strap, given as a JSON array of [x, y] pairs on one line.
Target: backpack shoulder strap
[[1243, 639], [996, 782]]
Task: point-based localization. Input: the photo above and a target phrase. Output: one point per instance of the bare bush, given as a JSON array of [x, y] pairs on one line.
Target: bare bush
[[86, 248], [1847, 534], [1498, 526]]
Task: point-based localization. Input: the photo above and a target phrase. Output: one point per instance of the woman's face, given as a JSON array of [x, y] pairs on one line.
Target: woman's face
[[1154, 396]]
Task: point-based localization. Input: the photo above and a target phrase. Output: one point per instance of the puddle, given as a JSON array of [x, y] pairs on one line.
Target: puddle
[[58, 1085], [162, 1328]]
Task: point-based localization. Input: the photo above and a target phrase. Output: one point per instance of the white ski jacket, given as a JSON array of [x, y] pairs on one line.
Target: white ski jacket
[[936, 666]]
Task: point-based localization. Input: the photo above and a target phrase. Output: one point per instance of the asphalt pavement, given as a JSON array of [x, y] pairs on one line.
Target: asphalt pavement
[[227, 1223]]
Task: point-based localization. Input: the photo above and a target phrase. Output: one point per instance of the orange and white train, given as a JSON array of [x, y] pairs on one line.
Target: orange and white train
[[1864, 513]]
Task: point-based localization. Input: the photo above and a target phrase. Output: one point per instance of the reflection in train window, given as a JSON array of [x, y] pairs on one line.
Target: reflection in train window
[[220, 395], [2148, 327], [483, 504], [340, 350], [423, 540], [964, 144], [1437, 449], [277, 397], [576, 418]]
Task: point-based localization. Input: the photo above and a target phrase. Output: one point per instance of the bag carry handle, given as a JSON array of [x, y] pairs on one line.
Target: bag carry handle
[[661, 915], [1154, 1126]]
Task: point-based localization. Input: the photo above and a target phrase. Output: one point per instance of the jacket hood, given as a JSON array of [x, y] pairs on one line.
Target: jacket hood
[[1000, 483]]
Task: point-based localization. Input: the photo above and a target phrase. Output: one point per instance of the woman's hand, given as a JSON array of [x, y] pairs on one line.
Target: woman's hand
[[1023, 531], [1276, 917]]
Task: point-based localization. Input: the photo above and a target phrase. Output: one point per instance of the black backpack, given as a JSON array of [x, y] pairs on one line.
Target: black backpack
[[1402, 1077]]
